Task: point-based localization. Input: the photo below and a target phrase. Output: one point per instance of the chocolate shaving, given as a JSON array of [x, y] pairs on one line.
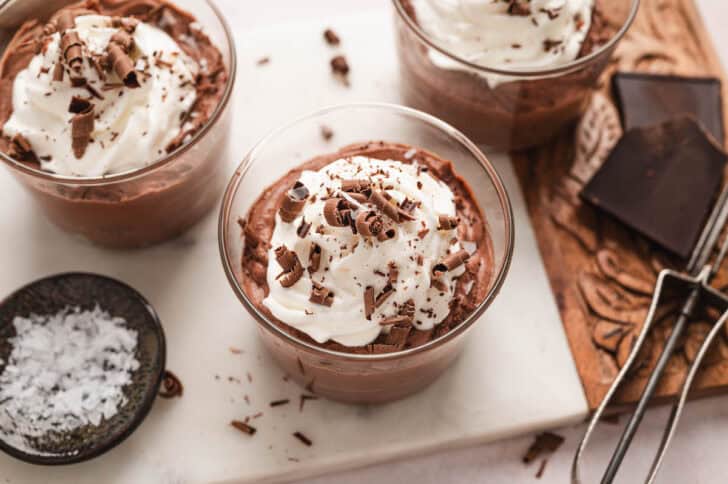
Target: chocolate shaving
[[122, 65], [393, 273], [357, 186], [321, 295], [446, 222], [72, 49], [326, 133], [302, 230], [292, 268], [388, 234], [369, 224], [369, 302], [129, 24], [450, 262], [382, 296], [58, 72], [21, 147], [438, 284], [331, 38], [79, 105], [171, 386], [65, 20], [305, 440], [546, 442], [293, 202], [337, 212], [82, 125], [78, 81], [520, 8], [314, 258], [393, 320], [243, 427], [125, 41], [390, 210]]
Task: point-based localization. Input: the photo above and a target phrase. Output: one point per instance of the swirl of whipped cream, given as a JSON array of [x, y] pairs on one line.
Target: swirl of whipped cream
[[132, 127], [350, 263], [485, 33]]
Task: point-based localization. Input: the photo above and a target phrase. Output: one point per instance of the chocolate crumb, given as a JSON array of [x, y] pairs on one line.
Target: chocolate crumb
[[305, 440], [243, 427], [331, 37], [340, 68], [546, 442], [326, 132], [263, 61], [171, 386]]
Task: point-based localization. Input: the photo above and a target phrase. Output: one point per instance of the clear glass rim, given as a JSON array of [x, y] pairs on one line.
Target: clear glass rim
[[490, 171], [161, 162], [562, 69]]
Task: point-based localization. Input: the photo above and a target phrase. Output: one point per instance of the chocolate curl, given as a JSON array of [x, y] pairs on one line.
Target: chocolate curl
[[359, 197], [438, 284], [78, 105], [382, 296], [82, 125], [65, 20], [356, 186], [314, 258], [408, 309], [122, 65], [388, 234], [393, 273], [58, 72], [446, 222], [302, 230], [369, 224], [408, 205], [293, 202], [321, 295], [452, 261], [291, 265], [125, 41], [337, 212], [127, 23], [21, 147], [369, 302], [72, 48], [389, 209]]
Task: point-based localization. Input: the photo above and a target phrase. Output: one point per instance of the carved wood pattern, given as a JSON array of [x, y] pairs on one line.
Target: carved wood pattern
[[601, 273]]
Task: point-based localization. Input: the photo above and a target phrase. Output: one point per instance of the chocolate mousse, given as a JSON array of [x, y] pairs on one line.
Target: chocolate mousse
[[489, 97], [109, 87], [375, 248]]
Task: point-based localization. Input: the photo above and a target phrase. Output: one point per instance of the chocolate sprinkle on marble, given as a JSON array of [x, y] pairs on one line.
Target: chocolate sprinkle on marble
[[331, 37], [305, 440], [243, 427]]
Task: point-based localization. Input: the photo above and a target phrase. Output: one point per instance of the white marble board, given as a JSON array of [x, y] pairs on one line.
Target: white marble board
[[516, 375]]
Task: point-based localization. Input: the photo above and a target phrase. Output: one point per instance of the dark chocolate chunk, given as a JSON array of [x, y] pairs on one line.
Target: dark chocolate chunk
[[661, 181], [649, 99]]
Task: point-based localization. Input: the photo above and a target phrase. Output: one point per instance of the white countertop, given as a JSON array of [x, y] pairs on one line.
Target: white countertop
[[698, 452]]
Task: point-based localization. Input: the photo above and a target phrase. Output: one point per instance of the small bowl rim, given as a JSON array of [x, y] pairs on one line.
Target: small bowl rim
[[526, 73], [160, 162], [142, 411], [482, 161]]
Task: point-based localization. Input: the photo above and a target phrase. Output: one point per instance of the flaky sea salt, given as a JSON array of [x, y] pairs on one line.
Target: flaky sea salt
[[65, 371]]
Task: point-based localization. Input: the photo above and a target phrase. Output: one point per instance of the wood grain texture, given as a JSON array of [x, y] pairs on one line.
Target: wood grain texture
[[601, 273]]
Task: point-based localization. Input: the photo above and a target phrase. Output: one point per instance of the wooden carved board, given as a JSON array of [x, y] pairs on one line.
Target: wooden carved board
[[601, 273]]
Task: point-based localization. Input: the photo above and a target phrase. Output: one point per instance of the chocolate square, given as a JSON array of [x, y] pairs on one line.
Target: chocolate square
[[649, 99], [661, 181]]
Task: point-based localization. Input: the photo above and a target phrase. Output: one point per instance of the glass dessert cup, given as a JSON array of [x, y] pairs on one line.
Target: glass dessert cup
[[503, 109], [362, 378], [155, 203]]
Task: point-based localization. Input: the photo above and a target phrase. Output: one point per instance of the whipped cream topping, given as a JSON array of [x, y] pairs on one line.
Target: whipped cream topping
[[532, 35], [132, 127], [352, 262]]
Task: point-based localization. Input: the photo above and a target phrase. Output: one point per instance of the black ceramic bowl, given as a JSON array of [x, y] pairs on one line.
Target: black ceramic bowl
[[51, 295]]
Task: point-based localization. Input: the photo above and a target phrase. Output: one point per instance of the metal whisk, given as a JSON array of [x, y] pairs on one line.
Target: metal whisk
[[695, 280]]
